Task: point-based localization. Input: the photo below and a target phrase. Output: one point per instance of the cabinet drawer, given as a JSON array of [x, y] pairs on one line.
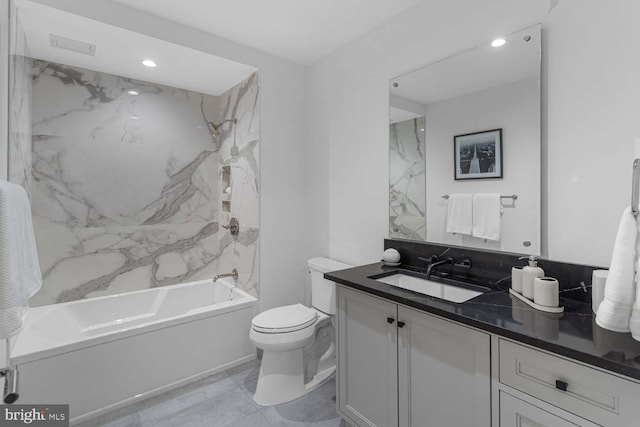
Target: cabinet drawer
[[589, 393], [518, 413]]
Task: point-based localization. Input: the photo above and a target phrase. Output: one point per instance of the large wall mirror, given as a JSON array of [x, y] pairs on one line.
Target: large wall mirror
[[464, 148]]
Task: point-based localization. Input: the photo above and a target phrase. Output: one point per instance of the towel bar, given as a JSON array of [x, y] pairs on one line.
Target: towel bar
[[513, 196], [635, 187]]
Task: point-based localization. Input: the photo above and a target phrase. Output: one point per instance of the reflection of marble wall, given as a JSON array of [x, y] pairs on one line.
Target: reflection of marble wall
[[19, 104], [407, 179], [125, 188], [240, 150]]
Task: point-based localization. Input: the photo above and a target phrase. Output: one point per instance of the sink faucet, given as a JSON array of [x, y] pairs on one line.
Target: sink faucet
[[234, 274], [432, 265]]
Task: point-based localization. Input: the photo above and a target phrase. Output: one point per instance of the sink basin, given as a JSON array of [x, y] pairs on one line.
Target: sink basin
[[429, 287]]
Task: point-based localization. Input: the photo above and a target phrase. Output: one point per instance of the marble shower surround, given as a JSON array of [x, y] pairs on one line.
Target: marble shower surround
[[19, 104], [126, 190], [407, 200], [240, 149]]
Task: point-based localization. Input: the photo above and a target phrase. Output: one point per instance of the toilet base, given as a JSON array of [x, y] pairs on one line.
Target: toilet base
[[281, 377]]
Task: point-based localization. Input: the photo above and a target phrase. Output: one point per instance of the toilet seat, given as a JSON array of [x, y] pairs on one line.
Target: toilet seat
[[288, 318]]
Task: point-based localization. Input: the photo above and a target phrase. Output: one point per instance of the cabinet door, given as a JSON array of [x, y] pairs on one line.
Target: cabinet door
[[444, 372], [367, 371], [517, 413]]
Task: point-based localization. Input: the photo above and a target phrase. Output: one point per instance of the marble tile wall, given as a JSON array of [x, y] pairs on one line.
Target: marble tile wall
[[19, 104], [126, 188], [240, 151], [407, 199]]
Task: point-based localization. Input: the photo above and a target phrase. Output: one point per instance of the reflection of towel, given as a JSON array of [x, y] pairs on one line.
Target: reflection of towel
[[487, 208], [459, 214], [20, 276], [619, 291]]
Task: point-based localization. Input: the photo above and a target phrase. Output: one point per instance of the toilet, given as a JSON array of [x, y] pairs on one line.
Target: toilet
[[298, 342]]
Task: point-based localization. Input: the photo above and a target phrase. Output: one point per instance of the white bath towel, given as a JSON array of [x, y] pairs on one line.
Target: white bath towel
[[619, 291], [460, 214], [487, 211], [20, 275]]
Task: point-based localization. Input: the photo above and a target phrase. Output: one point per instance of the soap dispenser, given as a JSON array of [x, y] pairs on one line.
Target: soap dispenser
[[529, 273]]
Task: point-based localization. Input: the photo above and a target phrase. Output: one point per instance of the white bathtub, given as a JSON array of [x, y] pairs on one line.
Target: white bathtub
[[103, 353]]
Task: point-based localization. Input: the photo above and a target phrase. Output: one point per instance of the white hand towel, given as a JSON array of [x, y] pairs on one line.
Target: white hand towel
[[20, 275], [634, 321], [459, 214], [487, 210], [619, 291]]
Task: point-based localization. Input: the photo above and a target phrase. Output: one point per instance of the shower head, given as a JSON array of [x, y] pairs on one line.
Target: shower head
[[215, 127]]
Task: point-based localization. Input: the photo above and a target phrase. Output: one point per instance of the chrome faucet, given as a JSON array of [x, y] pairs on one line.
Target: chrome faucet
[[434, 264], [234, 274]]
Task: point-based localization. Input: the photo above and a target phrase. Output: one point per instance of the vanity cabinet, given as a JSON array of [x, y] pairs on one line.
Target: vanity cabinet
[[402, 367]]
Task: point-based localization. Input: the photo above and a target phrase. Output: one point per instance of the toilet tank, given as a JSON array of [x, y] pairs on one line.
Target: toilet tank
[[323, 291]]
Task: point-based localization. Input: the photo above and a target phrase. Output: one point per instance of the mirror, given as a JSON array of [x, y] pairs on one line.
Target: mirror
[[464, 145]]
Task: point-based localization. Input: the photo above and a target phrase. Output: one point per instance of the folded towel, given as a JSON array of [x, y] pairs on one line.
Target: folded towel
[[459, 214], [20, 275], [619, 291], [487, 210]]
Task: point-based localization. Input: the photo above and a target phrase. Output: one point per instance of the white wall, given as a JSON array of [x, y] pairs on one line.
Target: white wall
[[592, 74], [515, 108], [590, 116], [283, 222]]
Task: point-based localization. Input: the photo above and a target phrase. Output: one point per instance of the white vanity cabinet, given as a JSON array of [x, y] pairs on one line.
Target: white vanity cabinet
[[402, 367], [398, 366]]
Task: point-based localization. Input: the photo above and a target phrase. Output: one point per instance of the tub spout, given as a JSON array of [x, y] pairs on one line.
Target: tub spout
[[10, 394], [234, 274]]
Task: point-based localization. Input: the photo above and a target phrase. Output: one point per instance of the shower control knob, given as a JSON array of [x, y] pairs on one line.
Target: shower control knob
[[233, 227]]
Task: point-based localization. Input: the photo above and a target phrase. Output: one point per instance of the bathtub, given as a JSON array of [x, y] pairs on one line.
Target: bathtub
[[103, 353]]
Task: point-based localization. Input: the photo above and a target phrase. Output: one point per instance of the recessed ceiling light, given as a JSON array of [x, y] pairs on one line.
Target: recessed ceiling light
[[149, 63], [133, 92], [422, 130], [134, 117], [498, 42]]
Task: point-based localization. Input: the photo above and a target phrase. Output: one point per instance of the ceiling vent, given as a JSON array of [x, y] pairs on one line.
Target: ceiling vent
[[72, 45]]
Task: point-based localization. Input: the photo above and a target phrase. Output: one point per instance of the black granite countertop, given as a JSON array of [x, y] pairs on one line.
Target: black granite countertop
[[573, 334]]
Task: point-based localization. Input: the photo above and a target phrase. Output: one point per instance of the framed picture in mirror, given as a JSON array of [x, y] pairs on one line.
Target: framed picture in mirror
[[478, 155]]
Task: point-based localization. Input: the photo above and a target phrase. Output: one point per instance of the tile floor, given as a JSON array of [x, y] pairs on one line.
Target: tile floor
[[226, 399]]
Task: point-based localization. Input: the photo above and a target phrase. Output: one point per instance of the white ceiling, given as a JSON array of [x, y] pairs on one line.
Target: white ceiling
[[300, 30], [120, 52], [481, 68]]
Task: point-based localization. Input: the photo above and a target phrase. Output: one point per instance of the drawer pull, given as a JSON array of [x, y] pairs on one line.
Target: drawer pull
[[390, 320], [561, 385], [400, 324]]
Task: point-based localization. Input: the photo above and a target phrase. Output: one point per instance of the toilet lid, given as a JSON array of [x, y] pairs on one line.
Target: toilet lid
[[288, 318]]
